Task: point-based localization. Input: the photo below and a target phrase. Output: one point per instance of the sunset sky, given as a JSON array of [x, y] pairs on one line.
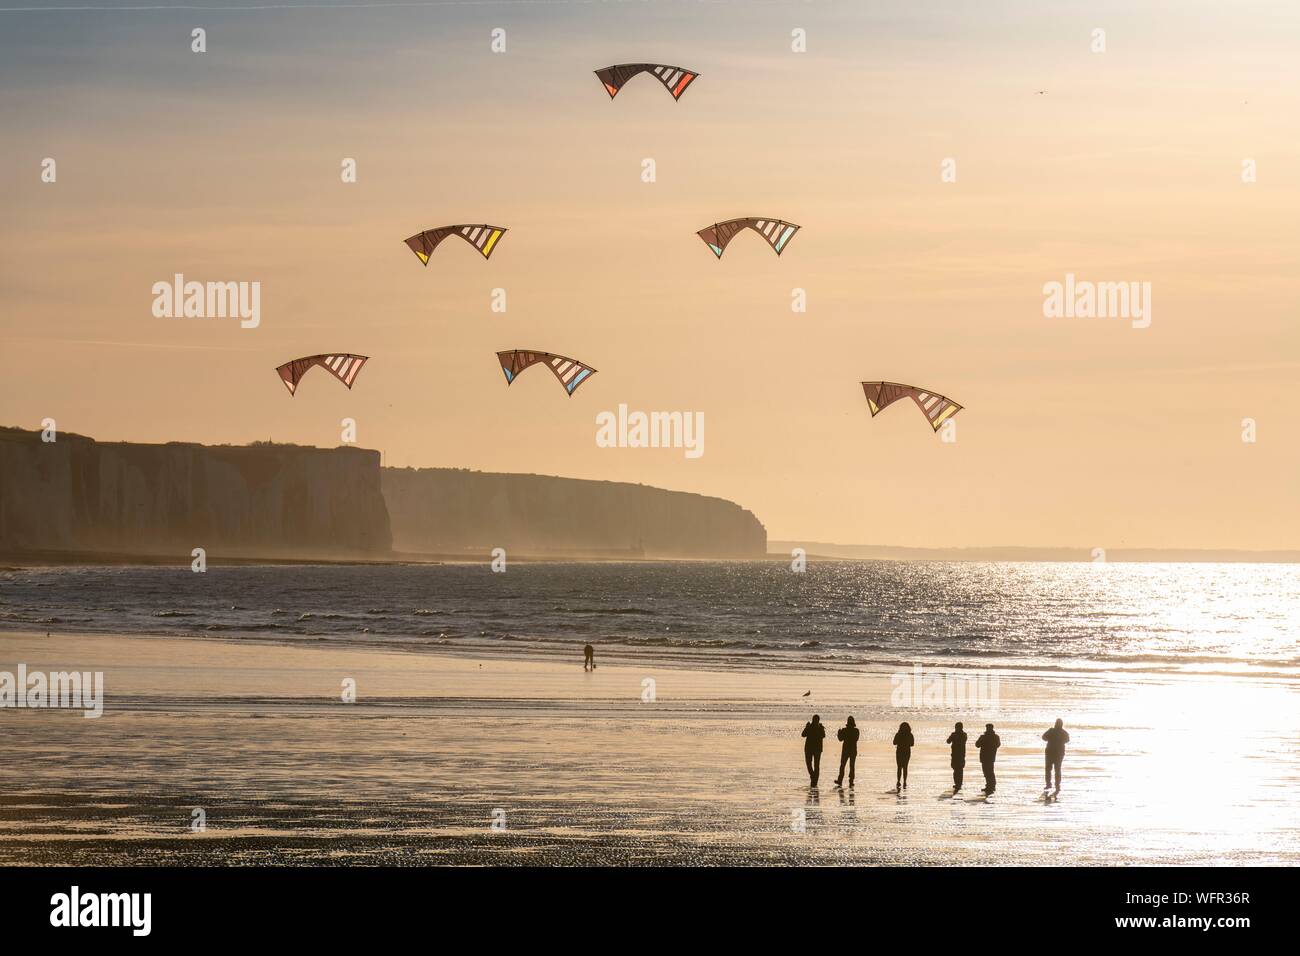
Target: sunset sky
[[225, 165]]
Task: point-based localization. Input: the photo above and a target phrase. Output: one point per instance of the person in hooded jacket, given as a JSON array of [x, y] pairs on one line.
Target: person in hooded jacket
[[1057, 737], [903, 744], [814, 732], [957, 740], [848, 737], [988, 744]]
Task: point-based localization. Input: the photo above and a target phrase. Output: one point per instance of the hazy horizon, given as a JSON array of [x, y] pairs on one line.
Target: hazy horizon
[[225, 166]]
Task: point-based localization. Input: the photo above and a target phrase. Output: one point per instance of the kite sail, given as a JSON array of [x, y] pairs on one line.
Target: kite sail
[[674, 78], [481, 236], [570, 372], [775, 231], [937, 408], [341, 365]]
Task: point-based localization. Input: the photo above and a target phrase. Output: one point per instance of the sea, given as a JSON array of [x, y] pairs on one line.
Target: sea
[[1199, 618]]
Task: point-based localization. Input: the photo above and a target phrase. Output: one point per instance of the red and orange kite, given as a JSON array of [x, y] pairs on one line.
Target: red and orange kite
[[674, 78]]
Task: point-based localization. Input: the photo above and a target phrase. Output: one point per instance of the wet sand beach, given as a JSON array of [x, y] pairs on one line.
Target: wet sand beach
[[452, 758]]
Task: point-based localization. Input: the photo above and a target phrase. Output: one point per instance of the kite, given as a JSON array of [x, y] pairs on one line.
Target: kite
[[570, 372], [481, 236], [341, 365], [775, 231], [674, 78], [937, 408]]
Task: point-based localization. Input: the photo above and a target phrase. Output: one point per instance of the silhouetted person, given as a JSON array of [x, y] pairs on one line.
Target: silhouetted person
[[588, 658], [988, 745], [814, 732], [848, 736], [958, 741], [1056, 739], [903, 744]]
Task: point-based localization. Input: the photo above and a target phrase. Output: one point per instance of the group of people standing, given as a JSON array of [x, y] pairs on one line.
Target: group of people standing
[[814, 733]]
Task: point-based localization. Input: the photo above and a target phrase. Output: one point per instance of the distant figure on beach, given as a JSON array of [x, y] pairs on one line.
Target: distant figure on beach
[[903, 744], [814, 732], [988, 745], [588, 658], [958, 741], [1056, 739], [848, 736]]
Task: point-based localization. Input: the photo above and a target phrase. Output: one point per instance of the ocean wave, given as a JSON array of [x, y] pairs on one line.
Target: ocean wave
[[604, 610], [968, 652], [250, 627], [699, 642]]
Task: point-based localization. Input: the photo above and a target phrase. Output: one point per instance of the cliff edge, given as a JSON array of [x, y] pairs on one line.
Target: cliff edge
[[263, 500], [451, 510]]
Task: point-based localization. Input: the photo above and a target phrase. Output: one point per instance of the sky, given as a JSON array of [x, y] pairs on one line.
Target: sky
[[225, 166]]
